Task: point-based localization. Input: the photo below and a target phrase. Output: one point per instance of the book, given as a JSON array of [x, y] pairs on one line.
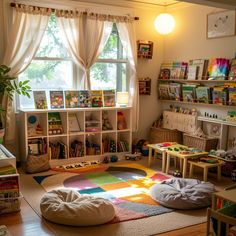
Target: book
[[232, 71], [109, 98], [175, 91], [192, 72], [96, 98], [56, 99], [8, 182], [54, 123], [232, 96], [219, 95], [165, 70], [218, 69], [73, 122], [203, 94], [72, 99], [7, 170], [201, 64], [84, 98], [175, 70], [189, 92], [164, 91], [40, 99]]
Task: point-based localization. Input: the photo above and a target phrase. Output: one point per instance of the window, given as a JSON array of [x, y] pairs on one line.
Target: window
[[110, 70], [51, 68]]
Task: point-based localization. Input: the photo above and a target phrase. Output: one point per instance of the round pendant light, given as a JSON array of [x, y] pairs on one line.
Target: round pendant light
[[164, 23]]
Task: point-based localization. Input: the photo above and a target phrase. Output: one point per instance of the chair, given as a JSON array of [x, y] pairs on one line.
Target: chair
[[222, 222]]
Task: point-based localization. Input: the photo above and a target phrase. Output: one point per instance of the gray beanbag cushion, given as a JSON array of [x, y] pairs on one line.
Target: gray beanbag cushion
[[182, 193], [68, 207]]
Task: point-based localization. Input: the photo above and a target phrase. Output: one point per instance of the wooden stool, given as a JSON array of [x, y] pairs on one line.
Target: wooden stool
[[205, 167]]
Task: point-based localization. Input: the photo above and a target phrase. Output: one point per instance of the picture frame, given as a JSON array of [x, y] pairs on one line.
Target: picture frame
[[221, 24]]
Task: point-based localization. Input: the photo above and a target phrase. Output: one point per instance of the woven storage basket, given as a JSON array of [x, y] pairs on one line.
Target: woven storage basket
[[159, 135], [205, 144]]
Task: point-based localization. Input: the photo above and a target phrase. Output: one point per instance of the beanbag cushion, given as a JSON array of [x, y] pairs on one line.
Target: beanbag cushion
[[180, 193], [69, 207]]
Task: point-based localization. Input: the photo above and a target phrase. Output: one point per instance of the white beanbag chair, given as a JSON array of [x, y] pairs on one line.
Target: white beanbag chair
[[180, 193], [69, 207]]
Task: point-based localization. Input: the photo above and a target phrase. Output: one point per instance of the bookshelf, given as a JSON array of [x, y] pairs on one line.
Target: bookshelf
[[144, 86], [86, 143]]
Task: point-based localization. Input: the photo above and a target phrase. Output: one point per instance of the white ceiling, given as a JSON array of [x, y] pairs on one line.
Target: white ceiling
[[155, 2]]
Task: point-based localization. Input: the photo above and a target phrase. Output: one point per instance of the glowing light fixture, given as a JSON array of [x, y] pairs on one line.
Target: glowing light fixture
[[164, 23]]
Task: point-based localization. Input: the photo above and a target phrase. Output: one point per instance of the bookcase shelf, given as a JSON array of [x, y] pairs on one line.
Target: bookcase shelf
[[196, 81], [86, 144]]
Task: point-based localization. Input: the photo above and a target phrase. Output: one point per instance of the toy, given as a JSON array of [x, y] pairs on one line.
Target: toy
[[121, 122], [134, 157], [113, 158], [177, 174]]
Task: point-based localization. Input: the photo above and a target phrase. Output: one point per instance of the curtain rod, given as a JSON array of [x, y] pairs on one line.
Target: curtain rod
[[12, 4]]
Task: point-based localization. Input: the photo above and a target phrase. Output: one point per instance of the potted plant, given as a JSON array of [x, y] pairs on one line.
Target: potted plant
[[8, 86]]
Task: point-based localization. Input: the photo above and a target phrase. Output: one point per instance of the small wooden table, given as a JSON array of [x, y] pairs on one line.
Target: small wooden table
[[205, 167], [182, 157]]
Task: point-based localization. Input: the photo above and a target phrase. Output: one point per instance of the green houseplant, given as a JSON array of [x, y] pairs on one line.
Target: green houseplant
[[8, 86]]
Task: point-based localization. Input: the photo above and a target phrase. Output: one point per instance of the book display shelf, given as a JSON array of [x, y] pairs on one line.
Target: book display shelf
[[73, 135], [10, 197]]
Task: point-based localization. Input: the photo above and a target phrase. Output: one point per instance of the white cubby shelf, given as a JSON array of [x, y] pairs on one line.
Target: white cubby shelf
[[90, 142]]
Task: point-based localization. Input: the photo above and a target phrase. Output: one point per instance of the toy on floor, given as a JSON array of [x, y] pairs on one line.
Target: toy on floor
[[133, 157]]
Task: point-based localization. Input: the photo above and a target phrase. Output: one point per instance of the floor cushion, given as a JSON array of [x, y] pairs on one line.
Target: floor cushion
[[68, 207], [180, 193]]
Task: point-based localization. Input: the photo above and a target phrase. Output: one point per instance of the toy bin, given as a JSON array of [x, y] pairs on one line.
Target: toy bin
[[160, 135], [205, 144], [8, 205]]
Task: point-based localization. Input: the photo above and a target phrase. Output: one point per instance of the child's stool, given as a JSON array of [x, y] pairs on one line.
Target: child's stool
[[206, 166]]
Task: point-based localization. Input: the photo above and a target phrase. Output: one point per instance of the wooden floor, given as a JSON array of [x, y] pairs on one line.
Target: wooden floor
[[28, 223]]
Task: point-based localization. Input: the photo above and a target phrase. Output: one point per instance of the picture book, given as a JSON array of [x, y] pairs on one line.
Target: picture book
[[8, 182], [73, 122], [175, 70], [165, 70], [164, 91], [40, 99], [189, 92], [183, 70], [72, 99], [54, 123], [218, 69], [232, 71], [84, 98], [96, 98], [175, 91], [56, 99], [192, 72], [203, 94], [202, 67], [219, 95], [109, 98], [232, 96]]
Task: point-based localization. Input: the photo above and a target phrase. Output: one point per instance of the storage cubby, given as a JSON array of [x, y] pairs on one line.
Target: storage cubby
[[90, 134], [123, 119], [57, 123], [36, 125], [109, 142]]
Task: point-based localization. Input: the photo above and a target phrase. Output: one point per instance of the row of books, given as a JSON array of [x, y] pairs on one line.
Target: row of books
[[75, 99], [200, 69], [122, 146], [57, 150], [9, 186], [76, 149], [108, 145], [222, 95], [37, 146]]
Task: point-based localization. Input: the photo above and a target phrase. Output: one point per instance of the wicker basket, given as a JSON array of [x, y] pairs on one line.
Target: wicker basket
[[205, 144], [159, 135]]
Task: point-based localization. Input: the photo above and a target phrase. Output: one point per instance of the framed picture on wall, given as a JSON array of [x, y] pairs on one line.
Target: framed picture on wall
[[221, 24]]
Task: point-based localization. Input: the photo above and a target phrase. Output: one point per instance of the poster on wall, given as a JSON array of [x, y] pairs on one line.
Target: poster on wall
[[221, 24]]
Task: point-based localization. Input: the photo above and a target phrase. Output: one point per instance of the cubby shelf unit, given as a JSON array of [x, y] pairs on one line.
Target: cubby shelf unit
[[91, 129]]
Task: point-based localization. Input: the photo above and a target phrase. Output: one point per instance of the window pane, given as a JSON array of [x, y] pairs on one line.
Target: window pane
[[51, 44], [109, 76], [113, 48], [49, 75]]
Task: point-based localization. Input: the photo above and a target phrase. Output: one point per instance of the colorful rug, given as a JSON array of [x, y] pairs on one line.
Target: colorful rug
[[125, 185]]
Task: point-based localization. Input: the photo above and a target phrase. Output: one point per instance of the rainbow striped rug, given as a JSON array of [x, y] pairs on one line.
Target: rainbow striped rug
[[125, 185]]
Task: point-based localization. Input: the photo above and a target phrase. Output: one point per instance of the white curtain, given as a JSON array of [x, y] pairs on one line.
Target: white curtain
[[24, 39], [128, 40], [85, 39]]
